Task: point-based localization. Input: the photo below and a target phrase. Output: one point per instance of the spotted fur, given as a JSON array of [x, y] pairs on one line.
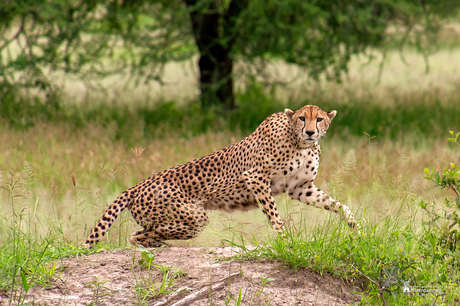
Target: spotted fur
[[282, 155]]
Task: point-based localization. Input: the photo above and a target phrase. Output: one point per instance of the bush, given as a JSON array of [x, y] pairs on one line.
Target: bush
[[445, 221]]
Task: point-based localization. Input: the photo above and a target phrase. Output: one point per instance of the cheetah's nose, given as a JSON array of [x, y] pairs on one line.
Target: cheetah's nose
[[309, 133]]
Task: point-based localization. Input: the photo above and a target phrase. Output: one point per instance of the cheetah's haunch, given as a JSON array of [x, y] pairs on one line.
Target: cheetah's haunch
[[282, 155]]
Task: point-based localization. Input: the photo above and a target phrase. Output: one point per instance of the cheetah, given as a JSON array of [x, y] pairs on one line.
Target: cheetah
[[281, 155]]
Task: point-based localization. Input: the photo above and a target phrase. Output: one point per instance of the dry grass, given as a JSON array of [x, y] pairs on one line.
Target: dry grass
[[375, 180]]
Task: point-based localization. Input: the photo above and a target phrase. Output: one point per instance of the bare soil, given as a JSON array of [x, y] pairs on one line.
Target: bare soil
[[212, 278]]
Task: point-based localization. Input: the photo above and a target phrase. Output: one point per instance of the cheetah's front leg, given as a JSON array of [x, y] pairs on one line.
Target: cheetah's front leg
[[312, 195], [260, 188]]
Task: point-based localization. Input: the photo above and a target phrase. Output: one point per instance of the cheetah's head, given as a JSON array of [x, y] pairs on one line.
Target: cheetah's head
[[310, 122]]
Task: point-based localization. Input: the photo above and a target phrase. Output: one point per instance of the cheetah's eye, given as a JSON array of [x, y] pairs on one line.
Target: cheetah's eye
[[302, 118], [319, 119]]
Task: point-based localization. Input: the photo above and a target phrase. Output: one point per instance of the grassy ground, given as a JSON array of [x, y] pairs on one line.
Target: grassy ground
[[62, 164]]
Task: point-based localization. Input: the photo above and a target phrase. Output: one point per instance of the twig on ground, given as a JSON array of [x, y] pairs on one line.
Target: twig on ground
[[169, 298], [199, 294]]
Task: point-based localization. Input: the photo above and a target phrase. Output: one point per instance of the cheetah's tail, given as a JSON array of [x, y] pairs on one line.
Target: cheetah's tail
[[108, 218]]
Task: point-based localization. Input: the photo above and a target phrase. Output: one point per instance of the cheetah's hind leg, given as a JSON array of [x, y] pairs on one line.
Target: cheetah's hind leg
[[147, 239], [185, 222], [154, 238]]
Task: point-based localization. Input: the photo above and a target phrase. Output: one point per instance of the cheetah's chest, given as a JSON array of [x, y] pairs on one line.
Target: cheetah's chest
[[301, 166]]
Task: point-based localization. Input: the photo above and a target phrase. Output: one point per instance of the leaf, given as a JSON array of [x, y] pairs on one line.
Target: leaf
[[25, 283], [422, 204], [437, 178], [239, 297], [443, 278], [454, 139], [456, 227]]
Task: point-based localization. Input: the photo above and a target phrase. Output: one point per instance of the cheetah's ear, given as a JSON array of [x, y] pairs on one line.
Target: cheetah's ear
[[289, 113], [331, 114]]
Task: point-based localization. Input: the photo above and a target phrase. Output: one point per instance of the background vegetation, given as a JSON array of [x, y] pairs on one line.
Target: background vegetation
[[93, 39]]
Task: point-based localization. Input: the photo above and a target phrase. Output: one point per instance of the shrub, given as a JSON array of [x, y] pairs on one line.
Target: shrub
[[445, 221]]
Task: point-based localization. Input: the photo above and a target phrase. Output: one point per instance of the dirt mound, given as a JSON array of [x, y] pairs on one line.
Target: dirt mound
[[209, 278]]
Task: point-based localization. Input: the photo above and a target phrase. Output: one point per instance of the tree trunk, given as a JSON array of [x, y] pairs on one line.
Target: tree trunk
[[216, 62]]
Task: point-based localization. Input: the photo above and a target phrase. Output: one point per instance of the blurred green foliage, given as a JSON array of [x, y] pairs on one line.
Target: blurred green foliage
[[96, 38], [415, 116]]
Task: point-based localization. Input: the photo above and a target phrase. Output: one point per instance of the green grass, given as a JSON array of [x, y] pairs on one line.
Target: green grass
[[388, 251], [32, 244], [29, 259], [146, 286]]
